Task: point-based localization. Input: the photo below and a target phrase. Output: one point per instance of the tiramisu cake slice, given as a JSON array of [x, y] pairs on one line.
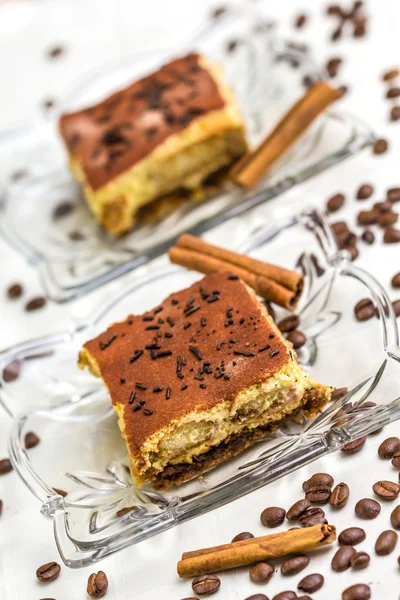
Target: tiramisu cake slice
[[198, 379], [168, 131]]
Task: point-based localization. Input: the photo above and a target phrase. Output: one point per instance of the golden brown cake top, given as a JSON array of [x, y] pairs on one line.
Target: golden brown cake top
[[201, 346], [110, 137]]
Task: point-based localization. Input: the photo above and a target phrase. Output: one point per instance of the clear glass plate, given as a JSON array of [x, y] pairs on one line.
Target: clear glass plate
[[82, 451], [267, 75]]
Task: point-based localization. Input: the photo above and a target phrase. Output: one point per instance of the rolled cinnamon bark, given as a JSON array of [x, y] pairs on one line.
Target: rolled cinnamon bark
[[287, 278], [266, 288], [249, 170], [246, 552]]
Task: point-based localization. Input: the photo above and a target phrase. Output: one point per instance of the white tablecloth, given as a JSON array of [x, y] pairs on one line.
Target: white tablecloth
[[148, 571]]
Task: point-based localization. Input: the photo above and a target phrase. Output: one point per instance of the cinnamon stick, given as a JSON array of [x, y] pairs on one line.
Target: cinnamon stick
[[266, 288], [287, 278], [246, 552], [249, 170]]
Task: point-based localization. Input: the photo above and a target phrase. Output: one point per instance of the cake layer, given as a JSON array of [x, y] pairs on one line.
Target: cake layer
[[116, 204], [176, 474]]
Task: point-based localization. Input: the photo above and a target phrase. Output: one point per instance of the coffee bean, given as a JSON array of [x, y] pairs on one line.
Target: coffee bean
[[206, 584], [351, 536], [396, 307], [386, 489], [396, 280], [395, 518], [387, 219], [31, 440], [297, 509], [5, 466], [391, 236], [323, 479], [342, 558], [346, 240], [388, 447], [396, 459], [382, 207], [359, 28], [393, 194], [395, 113], [60, 492], [1, 507], [360, 560], [313, 511], [365, 191], [289, 323], [310, 520], [380, 146], [393, 92], [319, 494], [273, 516], [353, 251], [97, 585], [253, 597], [293, 566], [14, 291], [386, 542], [300, 21], [55, 52], [364, 310], [35, 303], [48, 572], [367, 217], [245, 535], [311, 583], [354, 446], [286, 595], [339, 227], [332, 66], [368, 236], [360, 591], [335, 203], [338, 393], [297, 338], [304, 597], [63, 209], [340, 495], [11, 371], [261, 572], [391, 74], [336, 34], [367, 508]]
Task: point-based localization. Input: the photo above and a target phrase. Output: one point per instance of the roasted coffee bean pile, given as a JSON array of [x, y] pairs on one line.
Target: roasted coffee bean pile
[[391, 82], [353, 20], [382, 215], [289, 327], [306, 512]]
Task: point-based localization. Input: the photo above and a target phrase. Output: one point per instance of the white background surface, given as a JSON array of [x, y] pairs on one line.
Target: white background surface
[[147, 571]]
